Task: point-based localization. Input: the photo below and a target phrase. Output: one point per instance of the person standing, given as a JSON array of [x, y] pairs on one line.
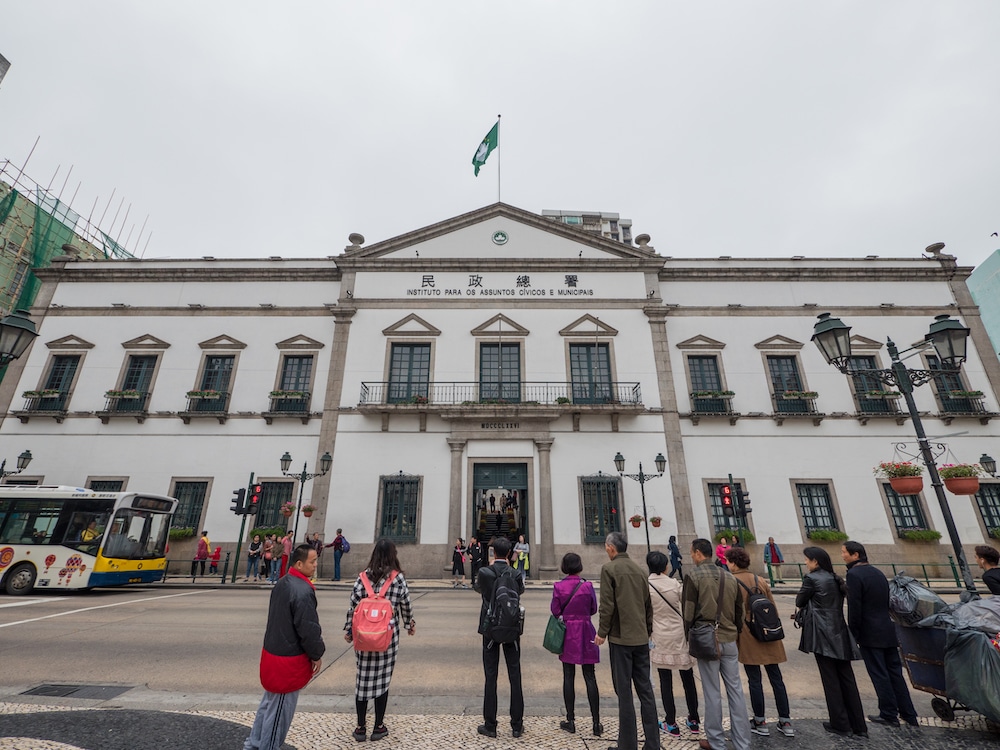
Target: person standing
[[702, 603], [253, 558], [268, 555], [869, 622], [669, 647], [286, 551], [488, 577], [675, 558], [574, 600], [989, 560], [374, 668], [477, 554], [720, 552], [201, 554], [753, 653], [458, 565], [338, 552], [626, 620], [275, 558], [773, 559], [826, 636], [292, 654], [213, 568], [521, 559]]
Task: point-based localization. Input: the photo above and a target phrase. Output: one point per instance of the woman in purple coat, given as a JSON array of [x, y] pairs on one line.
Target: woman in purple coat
[[574, 599]]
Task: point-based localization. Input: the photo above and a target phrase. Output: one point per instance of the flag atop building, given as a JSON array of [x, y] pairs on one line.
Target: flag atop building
[[486, 147]]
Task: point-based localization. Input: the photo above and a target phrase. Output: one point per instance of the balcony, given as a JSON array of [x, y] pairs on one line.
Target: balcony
[[796, 405], [964, 404], [125, 403], [207, 403], [879, 405], [50, 402], [712, 404], [288, 404]]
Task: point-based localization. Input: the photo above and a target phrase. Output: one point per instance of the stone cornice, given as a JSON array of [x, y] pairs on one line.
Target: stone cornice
[[681, 272], [108, 273]]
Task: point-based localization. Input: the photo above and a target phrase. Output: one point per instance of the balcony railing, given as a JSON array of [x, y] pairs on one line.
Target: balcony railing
[[497, 394], [291, 403], [46, 402], [786, 402], [214, 402], [127, 403], [956, 407]]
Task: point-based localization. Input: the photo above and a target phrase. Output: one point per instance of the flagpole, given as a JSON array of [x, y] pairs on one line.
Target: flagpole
[[498, 160]]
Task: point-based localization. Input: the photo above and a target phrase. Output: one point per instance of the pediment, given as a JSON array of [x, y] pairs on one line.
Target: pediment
[[499, 325], [300, 341], [701, 342], [411, 325], [861, 342], [473, 236], [69, 342], [779, 342], [588, 326], [222, 342], [146, 341]]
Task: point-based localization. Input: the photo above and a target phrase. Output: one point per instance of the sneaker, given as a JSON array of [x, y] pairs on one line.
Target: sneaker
[[486, 730], [379, 732], [360, 734], [759, 727], [672, 729], [785, 727], [692, 726]]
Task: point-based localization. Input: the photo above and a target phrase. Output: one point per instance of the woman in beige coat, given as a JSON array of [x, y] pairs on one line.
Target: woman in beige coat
[[669, 647], [754, 653]]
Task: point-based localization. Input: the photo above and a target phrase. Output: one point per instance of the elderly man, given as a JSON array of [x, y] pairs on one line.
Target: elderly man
[[626, 620], [702, 604]]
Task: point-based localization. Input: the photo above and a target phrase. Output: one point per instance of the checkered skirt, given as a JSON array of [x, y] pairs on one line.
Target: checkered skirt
[[374, 669]]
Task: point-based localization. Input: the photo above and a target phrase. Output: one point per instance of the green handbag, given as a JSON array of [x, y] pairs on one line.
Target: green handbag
[[555, 630]]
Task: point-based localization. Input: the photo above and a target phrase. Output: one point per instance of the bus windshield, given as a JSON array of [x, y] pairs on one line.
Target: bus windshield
[[137, 534]]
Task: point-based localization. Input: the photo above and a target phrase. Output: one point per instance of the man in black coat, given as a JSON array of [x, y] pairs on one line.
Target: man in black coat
[[477, 554], [869, 622]]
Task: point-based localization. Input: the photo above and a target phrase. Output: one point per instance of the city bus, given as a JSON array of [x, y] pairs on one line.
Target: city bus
[[65, 538]]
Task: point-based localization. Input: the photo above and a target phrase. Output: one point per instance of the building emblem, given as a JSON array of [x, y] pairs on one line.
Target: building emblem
[[500, 237]]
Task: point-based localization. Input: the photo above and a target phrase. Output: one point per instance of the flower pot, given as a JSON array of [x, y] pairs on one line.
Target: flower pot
[[906, 485], [287, 513], [962, 485], [637, 524], [656, 523], [307, 513]]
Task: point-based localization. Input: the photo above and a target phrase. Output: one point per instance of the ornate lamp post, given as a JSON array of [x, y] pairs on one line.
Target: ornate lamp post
[[325, 461], [661, 465], [17, 331], [22, 463], [949, 339], [989, 464]]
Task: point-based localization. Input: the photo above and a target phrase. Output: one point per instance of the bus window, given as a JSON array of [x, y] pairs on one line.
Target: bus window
[[137, 534], [30, 522]]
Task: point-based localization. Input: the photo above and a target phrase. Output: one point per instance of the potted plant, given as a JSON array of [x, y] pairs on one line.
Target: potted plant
[[920, 535], [903, 476], [635, 521], [181, 533], [562, 400], [287, 394], [725, 395], [744, 533], [44, 393], [995, 533], [208, 395], [797, 395], [287, 509], [883, 394], [417, 399], [828, 535], [130, 393], [656, 521], [961, 479], [965, 394], [308, 510]]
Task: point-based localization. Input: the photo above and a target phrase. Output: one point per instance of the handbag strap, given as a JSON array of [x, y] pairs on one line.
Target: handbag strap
[[563, 607], [667, 601], [718, 609]]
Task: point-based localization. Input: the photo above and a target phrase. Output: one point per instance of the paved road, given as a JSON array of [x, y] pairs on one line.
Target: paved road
[[194, 651]]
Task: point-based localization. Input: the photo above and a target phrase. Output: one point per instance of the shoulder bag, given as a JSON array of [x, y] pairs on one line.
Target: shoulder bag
[[555, 630], [703, 637]]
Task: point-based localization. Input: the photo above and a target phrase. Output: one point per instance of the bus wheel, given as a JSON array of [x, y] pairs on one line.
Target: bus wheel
[[20, 580]]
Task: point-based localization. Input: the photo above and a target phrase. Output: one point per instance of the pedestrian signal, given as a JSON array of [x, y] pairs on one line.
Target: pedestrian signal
[[254, 505], [744, 498], [727, 501], [239, 498]]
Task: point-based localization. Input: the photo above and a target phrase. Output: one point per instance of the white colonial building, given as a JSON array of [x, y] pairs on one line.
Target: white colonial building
[[500, 354]]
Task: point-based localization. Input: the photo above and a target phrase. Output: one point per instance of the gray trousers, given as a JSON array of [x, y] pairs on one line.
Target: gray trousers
[[274, 717], [729, 669]]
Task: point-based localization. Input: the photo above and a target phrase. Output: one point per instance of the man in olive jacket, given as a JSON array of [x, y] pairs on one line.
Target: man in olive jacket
[[701, 604], [626, 620]]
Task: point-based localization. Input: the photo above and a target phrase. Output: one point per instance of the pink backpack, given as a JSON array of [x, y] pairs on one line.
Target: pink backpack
[[371, 624]]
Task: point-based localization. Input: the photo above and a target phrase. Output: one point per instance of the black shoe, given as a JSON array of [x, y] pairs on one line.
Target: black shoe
[[878, 719], [830, 728], [598, 729], [517, 731], [914, 722], [379, 732], [862, 735], [486, 730], [360, 734], [568, 726]]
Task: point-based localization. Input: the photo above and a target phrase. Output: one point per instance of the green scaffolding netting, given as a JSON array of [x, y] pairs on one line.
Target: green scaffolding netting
[[53, 228], [7, 205]]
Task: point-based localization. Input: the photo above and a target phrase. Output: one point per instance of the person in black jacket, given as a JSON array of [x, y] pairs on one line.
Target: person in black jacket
[[868, 620], [477, 553], [825, 635], [989, 560]]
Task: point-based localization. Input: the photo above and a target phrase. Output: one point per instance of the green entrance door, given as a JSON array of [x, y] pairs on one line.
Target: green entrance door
[[500, 501]]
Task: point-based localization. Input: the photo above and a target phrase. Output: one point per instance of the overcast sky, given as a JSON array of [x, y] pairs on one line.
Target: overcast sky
[[249, 129]]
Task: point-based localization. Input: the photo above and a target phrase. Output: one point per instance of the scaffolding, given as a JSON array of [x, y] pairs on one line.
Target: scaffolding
[[34, 226]]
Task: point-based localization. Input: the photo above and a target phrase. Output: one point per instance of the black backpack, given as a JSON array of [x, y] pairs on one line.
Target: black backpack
[[763, 620], [504, 615]]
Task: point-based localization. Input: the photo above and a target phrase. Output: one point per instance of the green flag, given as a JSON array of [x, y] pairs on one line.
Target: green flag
[[486, 147]]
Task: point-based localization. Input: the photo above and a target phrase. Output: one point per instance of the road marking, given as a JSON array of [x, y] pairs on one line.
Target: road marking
[[102, 606], [23, 603]]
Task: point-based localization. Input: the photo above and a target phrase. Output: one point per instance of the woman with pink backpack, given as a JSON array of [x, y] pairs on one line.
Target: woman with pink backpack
[[380, 600]]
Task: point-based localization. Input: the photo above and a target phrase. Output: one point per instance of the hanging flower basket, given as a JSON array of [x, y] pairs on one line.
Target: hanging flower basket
[[906, 485], [308, 510], [636, 521], [656, 521], [962, 485], [287, 510]]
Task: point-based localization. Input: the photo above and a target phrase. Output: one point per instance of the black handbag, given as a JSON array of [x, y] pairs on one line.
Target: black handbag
[[703, 637]]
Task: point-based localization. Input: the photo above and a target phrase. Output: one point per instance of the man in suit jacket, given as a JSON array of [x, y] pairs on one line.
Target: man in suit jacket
[[868, 620]]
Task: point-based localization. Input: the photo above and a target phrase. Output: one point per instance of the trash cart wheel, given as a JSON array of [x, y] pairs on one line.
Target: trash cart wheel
[[943, 709]]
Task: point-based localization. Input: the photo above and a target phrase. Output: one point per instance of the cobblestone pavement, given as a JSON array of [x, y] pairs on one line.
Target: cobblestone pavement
[[25, 726]]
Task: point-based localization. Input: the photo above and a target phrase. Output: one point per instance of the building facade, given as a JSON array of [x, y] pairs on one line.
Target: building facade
[[479, 375], [984, 283]]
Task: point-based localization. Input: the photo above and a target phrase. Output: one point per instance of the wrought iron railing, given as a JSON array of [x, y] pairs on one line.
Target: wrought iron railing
[[47, 402], [298, 403], [492, 393], [962, 405], [129, 403], [214, 403], [786, 404]]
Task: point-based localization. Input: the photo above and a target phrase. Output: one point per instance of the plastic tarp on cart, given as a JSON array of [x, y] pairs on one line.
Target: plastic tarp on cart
[[972, 671]]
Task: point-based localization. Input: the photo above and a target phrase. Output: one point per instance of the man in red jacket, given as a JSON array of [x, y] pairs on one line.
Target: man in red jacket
[[293, 651]]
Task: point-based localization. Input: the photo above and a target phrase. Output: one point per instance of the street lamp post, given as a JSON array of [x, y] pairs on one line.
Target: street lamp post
[[949, 339], [661, 465], [17, 331], [22, 463], [325, 461]]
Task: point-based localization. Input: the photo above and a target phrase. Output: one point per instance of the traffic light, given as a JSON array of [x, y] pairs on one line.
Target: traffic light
[[254, 505], [726, 494], [744, 500], [239, 497]]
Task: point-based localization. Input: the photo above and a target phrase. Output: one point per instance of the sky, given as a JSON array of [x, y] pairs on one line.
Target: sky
[[247, 129]]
